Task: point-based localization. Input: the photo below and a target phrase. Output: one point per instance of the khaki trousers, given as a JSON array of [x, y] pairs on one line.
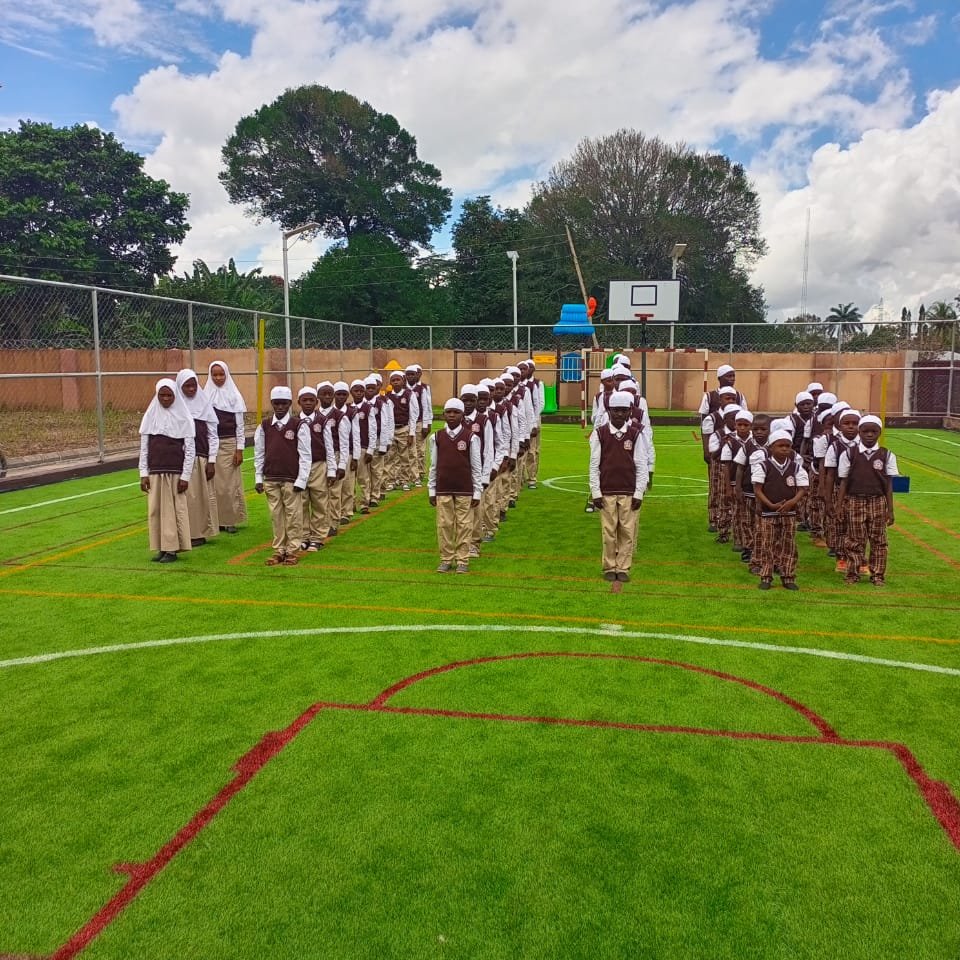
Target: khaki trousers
[[201, 506], [228, 484], [503, 491], [533, 458], [286, 515], [402, 461], [315, 504], [334, 496], [421, 457], [168, 517], [365, 480], [454, 528], [618, 525], [348, 499], [490, 507], [377, 474]]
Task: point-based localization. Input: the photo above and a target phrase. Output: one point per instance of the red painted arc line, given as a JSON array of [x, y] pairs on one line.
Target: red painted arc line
[[936, 794], [812, 717]]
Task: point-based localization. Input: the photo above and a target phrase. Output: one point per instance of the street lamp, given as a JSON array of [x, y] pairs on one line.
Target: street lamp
[[513, 256], [675, 254], [287, 234]]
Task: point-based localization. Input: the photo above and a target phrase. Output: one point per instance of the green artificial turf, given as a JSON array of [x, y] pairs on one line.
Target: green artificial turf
[[408, 835]]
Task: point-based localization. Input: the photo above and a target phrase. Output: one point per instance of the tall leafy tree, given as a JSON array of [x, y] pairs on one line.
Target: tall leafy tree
[[628, 198], [322, 155], [77, 206], [227, 286]]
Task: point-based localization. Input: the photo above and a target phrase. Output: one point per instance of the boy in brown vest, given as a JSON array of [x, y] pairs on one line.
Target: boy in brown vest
[[865, 470], [455, 487], [618, 481], [779, 484], [281, 466]]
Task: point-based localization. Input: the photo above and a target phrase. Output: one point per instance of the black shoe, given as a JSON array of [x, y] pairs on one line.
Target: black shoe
[[503, 514], [764, 585], [344, 520], [198, 542], [167, 558], [230, 529], [711, 529], [831, 553], [332, 532], [722, 538], [512, 504], [789, 585], [803, 526], [610, 575], [156, 559], [623, 577], [746, 556]]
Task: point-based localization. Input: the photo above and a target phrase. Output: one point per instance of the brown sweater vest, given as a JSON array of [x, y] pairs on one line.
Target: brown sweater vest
[[281, 461], [164, 454], [454, 476], [867, 477], [401, 407], [749, 449], [715, 401], [777, 486], [202, 438], [226, 424], [478, 429], [618, 472], [364, 412], [318, 448]]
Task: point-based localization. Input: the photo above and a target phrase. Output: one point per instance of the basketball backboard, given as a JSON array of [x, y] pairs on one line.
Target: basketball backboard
[[659, 300]]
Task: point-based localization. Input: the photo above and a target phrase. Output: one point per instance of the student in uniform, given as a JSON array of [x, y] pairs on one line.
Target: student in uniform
[[506, 422], [167, 452], [845, 435], [281, 466], [490, 500], [536, 393], [454, 486], [618, 481], [779, 484], [342, 401], [753, 448], [339, 436], [602, 396], [201, 499], [424, 395], [380, 428], [722, 515], [323, 472], [725, 392], [402, 459], [711, 424], [366, 425], [229, 406], [478, 423], [865, 471], [731, 445]]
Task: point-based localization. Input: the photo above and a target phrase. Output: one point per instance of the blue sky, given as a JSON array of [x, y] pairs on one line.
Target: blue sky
[[849, 108]]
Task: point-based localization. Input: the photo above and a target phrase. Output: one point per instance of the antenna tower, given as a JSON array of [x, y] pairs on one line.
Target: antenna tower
[[806, 269]]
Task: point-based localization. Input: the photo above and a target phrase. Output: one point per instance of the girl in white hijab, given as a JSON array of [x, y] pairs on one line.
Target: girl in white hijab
[[229, 407], [167, 453], [201, 499]]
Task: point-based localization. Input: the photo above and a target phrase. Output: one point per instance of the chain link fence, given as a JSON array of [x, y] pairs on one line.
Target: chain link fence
[[78, 364]]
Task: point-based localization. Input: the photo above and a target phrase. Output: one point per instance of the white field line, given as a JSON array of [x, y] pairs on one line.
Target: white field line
[[605, 631], [76, 496], [928, 436]]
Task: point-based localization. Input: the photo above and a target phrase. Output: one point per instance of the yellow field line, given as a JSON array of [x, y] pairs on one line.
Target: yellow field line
[[483, 614], [70, 553]]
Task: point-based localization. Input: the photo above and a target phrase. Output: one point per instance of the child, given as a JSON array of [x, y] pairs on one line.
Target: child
[[425, 402], [722, 518], [489, 503], [779, 484], [338, 438], [746, 504], [401, 461], [384, 433], [477, 421], [366, 425], [323, 472], [229, 406], [866, 501], [167, 452], [618, 481], [731, 445], [844, 437], [281, 466], [341, 398], [455, 487], [201, 499]]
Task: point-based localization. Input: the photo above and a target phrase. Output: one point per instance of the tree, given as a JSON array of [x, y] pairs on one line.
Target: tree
[[843, 321], [370, 280], [322, 155], [941, 312], [227, 286], [77, 206], [628, 198]]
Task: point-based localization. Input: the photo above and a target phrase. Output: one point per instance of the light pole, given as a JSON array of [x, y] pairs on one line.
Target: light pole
[[675, 254], [514, 257], [287, 234]]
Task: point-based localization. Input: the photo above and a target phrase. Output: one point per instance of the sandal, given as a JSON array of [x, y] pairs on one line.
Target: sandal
[[276, 560], [289, 561]]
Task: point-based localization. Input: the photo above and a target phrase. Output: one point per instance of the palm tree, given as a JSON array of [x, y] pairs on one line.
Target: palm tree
[[844, 320], [941, 311]]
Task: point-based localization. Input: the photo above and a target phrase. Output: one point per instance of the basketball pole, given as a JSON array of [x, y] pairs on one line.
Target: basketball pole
[[576, 266], [643, 318]]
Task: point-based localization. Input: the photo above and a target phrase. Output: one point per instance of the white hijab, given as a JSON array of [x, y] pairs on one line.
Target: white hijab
[[173, 421], [227, 397], [199, 404]]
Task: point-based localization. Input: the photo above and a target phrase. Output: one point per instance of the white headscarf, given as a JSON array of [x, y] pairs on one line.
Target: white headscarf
[[227, 398], [173, 421], [199, 404]]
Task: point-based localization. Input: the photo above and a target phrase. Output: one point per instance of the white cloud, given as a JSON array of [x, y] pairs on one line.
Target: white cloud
[[883, 219], [496, 93]]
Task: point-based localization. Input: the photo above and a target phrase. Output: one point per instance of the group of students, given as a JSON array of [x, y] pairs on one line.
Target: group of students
[[343, 450], [818, 469]]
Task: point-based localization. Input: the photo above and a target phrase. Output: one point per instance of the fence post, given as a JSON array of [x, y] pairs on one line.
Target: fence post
[[430, 329], [953, 349], [190, 333], [838, 368], [670, 357], [730, 355], [371, 348], [101, 440], [341, 352], [529, 340]]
